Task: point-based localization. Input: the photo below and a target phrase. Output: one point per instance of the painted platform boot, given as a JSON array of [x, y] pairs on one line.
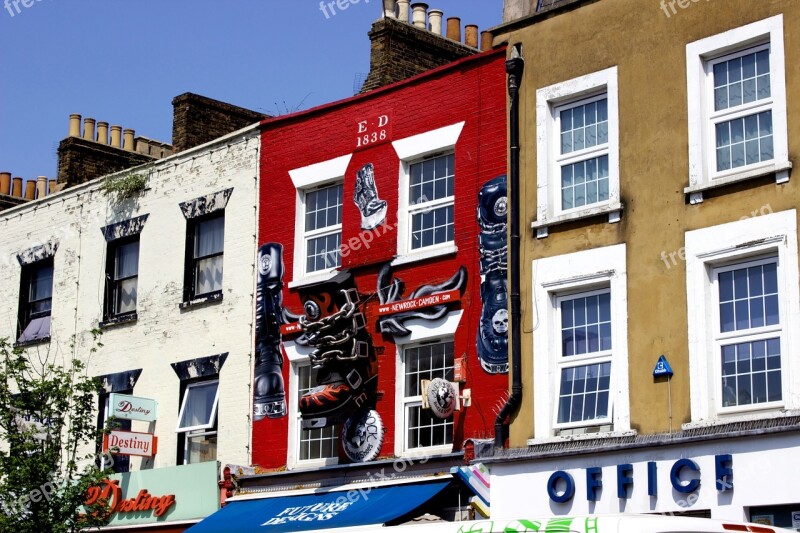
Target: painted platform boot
[[269, 399], [372, 208], [492, 342], [347, 369]]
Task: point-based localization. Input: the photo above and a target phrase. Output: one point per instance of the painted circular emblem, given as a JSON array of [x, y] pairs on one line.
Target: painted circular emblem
[[362, 436], [501, 206], [265, 264], [312, 310], [442, 397]]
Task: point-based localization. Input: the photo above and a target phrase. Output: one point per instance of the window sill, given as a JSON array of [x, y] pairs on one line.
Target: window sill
[[32, 342], [583, 436], [119, 320], [613, 210], [437, 251], [781, 171], [429, 452], [202, 300], [723, 420], [314, 279]]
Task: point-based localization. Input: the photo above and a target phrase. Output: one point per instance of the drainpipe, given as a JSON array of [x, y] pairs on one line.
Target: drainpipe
[[514, 68]]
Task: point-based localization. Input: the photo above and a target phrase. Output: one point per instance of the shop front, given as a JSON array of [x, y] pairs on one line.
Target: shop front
[[749, 475], [164, 500]]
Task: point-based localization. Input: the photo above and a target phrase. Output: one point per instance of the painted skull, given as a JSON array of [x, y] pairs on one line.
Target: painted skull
[[500, 322]]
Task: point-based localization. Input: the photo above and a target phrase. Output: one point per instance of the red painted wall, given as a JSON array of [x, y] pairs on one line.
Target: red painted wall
[[471, 90]]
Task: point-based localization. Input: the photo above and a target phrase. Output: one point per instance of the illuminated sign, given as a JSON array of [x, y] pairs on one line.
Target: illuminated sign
[[130, 443]]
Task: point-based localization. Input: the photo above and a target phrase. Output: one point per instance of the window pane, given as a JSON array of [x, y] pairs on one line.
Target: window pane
[[125, 296], [324, 207], [741, 80], [744, 141], [324, 253], [41, 284], [201, 449], [433, 227], [426, 362], [198, 405], [432, 179], [584, 393], [751, 373], [585, 324], [208, 276], [127, 260], [209, 237], [584, 126], [584, 183]]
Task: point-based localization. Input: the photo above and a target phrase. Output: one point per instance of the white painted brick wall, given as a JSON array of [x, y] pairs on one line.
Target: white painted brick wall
[[163, 333]]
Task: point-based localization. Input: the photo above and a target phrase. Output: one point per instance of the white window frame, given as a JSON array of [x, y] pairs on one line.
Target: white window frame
[[553, 279], [295, 422], [213, 417], [305, 179], [748, 335], [412, 150], [572, 361], [422, 332], [707, 249], [700, 57], [549, 102]]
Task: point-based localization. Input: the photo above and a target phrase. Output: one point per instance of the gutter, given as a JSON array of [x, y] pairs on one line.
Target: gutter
[[514, 68]]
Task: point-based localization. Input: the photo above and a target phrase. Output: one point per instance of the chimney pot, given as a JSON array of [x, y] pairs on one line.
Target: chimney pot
[[128, 136], [388, 9], [402, 10], [17, 188], [74, 125], [486, 40], [454, 29], [5, 183], [51, 186], [30, 190], [102, 132], [419, 12], [435, 18], [88, 129], [116, 136], [41, 186], [471, 35]]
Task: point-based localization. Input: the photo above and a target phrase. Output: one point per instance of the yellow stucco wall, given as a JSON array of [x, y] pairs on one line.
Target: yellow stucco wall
[[649, 50]]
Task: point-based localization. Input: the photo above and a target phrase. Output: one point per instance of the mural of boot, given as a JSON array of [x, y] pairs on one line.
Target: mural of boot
[[372, 208], [269, 399], [492, 341], [347, 369]]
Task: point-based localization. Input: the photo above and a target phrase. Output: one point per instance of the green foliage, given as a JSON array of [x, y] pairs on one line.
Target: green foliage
[[125, 185], [47, 424]]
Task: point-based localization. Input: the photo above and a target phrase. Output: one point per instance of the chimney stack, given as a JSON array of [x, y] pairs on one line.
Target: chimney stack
[[435, 18], [116, 136], [88, 129], [418, 15], [454, 28], [74, 125], [17, 188], [486, 41], [128, 136], [30, 190], [402, 10], [102, 132], [5, 183], [471, 35]]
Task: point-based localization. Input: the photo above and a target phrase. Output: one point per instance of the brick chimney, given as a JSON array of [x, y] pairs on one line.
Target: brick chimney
[[400, 50], [197, 120]]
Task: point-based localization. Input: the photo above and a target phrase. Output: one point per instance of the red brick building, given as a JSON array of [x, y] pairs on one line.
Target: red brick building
[[369, 227]]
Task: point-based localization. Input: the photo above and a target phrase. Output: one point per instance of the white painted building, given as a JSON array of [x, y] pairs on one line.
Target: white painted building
[[167, 275]]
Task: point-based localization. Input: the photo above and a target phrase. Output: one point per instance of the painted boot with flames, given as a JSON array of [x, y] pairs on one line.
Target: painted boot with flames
[[372, 208], [347, 369], [269, 399], [493, 329]]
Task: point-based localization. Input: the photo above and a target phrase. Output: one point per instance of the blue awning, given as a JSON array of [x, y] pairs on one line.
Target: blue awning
[[308, 512]]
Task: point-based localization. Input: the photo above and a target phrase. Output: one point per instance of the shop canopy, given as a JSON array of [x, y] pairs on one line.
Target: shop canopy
[[332, 509]]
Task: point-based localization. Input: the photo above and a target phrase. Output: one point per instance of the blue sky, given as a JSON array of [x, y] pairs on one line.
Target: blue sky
[[123, 62]]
